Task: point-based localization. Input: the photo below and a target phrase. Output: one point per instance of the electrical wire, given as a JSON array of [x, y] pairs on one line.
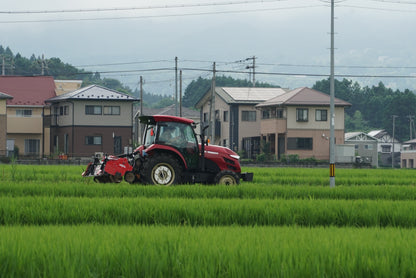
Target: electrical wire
[[122, 63], [142, 8], [157, 16]]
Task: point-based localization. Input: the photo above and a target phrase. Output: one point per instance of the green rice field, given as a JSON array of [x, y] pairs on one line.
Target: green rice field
[[286, 223]]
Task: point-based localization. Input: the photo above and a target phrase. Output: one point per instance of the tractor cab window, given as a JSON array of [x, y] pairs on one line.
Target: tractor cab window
[[149, 135], [182, 137], [171, 133]]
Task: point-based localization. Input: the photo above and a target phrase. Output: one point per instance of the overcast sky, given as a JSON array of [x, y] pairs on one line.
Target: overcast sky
[[373, 37]]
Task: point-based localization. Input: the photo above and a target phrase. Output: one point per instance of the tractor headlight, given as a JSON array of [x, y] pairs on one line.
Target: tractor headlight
[[235, 156]]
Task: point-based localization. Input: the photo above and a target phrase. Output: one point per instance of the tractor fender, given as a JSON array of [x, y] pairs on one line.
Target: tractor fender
[[152, 149]]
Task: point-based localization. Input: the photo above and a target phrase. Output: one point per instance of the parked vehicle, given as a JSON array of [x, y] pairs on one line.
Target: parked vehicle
[[172, 154]]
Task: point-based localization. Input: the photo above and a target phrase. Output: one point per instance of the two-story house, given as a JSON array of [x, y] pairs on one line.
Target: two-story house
[[28, 116], [365, 147], [3, 123], [408, 154], [235, 121], [91, 119], [298, 122], [386, 147]]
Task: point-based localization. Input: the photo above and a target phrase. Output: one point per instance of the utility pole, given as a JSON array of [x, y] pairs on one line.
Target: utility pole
[[254, 69], [43, 65], [212, 107], [141, 110], [410, 126], [332, 108], [176, 86], [180, 93], [3, 67], [392, 141]]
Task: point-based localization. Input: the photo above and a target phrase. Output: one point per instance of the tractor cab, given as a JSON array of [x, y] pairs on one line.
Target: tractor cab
[[177, 136]]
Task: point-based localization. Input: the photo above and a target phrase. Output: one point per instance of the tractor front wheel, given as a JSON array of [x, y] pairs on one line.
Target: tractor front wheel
[[227, 178], [162, 170]]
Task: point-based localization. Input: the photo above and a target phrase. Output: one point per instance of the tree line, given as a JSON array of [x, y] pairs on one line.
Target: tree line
[[374, 107]]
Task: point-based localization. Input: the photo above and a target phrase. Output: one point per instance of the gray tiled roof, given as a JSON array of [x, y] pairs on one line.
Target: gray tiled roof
[[248, 94], [93, 92]]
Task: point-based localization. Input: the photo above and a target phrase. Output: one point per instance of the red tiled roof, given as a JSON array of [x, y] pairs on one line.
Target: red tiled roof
[[31, 91]]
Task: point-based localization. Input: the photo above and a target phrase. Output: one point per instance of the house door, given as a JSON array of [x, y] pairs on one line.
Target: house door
[[281, 145], [117, 145]]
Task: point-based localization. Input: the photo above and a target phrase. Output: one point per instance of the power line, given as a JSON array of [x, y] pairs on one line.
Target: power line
[[122, 63], [157, 16], [379, 9], [140, 8], [395, 2], [339, 66]]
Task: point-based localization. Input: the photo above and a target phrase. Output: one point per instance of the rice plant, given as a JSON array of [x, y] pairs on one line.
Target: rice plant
[[174, 251]]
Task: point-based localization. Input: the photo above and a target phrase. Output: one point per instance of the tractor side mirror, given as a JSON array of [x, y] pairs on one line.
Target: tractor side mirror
[[203, 141]]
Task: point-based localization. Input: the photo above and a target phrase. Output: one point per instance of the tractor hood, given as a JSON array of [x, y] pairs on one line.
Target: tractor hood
[[213, 150]]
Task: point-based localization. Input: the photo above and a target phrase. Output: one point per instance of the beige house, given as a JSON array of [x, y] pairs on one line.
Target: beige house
[[28, 116], [408, 154], [89, 120], [3, 123], [236, 121], [297, 122]]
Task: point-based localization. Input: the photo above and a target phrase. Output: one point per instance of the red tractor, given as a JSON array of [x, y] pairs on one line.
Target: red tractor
[[171, 154]]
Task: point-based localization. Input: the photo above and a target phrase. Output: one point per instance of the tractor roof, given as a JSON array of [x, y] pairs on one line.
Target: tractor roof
[[164, 118]]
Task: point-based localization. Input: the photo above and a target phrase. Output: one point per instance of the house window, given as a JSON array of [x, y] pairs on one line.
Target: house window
[[301, 114], [280, 113], [205, 117], [63, 110], [111, 110], [265, 114], [93, 140], [93, 110], [321, 115], [368, 147], [248, 116], [217, 115], [225, 116], [23, 113], [385, 148], [299, 143], [32, 146]]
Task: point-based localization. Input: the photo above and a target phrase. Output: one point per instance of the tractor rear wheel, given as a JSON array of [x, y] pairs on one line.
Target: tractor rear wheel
[[162, 169], [227, 178]]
